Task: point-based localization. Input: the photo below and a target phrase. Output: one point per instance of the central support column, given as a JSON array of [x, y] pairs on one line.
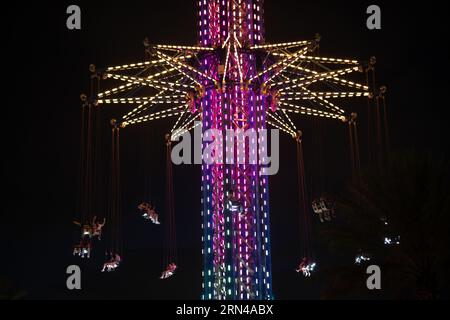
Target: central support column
[[236, 237]]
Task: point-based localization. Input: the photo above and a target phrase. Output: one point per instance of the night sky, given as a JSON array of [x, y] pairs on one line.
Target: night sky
[[47, 69]]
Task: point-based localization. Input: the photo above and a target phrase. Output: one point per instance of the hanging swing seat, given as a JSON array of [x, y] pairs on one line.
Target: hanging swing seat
[[83, 250], [306, 267], [362, 257], [113, 264], [169, 272], [324, 208], [149, 213], [232, 203]]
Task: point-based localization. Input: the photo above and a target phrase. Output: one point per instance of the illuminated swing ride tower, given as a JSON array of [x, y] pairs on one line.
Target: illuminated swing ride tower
[[233, 80]]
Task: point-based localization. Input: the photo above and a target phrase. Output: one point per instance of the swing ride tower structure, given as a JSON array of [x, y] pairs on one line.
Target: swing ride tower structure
[[233, 81], [236, 245]]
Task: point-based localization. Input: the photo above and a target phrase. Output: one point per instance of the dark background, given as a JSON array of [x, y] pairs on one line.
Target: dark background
[[45, 69]]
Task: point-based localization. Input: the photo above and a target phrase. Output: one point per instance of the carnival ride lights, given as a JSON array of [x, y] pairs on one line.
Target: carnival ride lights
[[113, 264], [361, 258], [324, 208], [88, 233], [231, 80], [169, 272], [306, 268], [392, 241], [232, 203], [149, 213], [83, 250]]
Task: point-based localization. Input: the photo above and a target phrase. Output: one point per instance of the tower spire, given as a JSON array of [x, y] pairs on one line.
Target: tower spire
[[220, 20]]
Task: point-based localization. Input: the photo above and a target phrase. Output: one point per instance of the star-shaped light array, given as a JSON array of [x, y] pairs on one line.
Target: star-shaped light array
[[170, 83]]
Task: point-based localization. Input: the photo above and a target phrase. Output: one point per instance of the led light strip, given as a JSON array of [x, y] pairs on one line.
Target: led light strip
[[327, 95], [290, 120], [309, 111], [328, 103], [276, 65], [280, 122], [285, 61], [138, 109], [173, 61], [120, 89], [280, 128], [156, 116], [279, 45], [152, 83], [315, 78], [142, 64], [162, 46], [318, 76], [179, 134], [329, 60]]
